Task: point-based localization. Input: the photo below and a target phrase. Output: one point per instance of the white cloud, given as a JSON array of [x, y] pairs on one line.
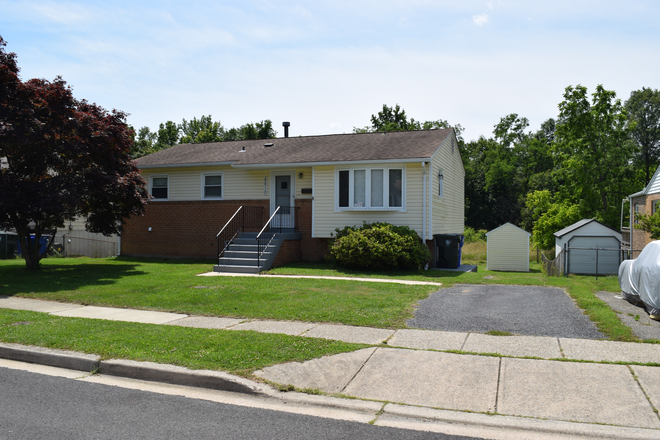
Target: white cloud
[[480, 19]]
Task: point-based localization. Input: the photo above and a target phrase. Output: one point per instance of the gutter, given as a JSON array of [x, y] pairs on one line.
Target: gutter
[[424, 179], [332, 163]]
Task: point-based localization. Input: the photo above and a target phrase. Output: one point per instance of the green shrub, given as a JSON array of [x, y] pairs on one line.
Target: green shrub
[[379, 246], [474, 236]]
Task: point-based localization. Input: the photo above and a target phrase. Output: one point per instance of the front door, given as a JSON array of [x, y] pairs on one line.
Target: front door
[[283, 197]]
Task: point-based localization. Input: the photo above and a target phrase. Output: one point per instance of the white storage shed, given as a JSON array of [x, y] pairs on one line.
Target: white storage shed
[[508, 249], [592, 248]]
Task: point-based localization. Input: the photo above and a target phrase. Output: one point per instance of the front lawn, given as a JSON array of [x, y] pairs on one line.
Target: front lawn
[[171, 285]]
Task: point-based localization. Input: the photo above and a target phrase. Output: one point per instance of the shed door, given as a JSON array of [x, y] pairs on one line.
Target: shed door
[[586, 254]]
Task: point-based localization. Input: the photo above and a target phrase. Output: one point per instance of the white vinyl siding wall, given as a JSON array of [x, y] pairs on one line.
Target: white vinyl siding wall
[[237, 184], [448, 215], [327, 219], [508, 249]]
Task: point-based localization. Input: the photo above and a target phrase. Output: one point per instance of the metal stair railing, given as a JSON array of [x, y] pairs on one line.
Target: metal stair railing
[[287, 220], [264, 242], [245, 217]]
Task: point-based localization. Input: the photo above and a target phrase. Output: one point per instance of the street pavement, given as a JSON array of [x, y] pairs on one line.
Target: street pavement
[[452, 382]]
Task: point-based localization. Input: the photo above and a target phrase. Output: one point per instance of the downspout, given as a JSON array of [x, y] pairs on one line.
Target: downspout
[[424, 178]]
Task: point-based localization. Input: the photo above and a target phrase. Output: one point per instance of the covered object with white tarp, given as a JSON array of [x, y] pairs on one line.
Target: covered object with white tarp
[[640, 280]]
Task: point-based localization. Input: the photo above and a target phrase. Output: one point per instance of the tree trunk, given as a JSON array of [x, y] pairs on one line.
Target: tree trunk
[[29, 249]]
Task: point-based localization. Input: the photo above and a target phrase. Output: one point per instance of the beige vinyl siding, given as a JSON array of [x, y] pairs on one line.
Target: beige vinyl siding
[[326, 219], [448, 215], [185, 184], [508, 249]]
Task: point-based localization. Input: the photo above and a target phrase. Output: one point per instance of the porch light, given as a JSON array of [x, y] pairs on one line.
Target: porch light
[[300, 175]]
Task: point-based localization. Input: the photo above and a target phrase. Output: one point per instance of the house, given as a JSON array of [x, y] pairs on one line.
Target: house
[[413, 178], [591, 248], [644, 202], [507, 249]]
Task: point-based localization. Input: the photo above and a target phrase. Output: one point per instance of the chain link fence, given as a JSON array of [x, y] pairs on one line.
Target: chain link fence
[[587, 261]]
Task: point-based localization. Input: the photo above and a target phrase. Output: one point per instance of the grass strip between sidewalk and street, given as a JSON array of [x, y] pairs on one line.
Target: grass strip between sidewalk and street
[[236, 352]]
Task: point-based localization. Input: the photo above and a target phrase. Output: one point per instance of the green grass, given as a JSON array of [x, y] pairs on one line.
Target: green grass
[[237, 352], [171, 285]]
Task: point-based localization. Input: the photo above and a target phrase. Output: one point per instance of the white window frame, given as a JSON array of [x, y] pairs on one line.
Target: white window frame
[[386, 188], [222, 186], [151, 187], [441, 178]]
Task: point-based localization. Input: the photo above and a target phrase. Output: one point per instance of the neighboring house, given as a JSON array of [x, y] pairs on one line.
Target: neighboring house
[[413, 178], [646, 202], [508, 249], [592, 248]]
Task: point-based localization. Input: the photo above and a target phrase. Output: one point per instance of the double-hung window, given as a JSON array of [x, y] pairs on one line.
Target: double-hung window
[[376, 188], [212, 186], [159, 187]]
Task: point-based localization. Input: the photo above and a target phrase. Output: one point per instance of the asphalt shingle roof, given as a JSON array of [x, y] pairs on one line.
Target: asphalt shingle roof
[[309, 149]]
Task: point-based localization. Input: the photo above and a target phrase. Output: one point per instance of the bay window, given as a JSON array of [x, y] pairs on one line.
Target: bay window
[[377, 188]]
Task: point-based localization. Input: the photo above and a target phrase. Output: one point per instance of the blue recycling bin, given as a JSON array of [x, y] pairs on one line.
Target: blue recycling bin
[[43, 243]]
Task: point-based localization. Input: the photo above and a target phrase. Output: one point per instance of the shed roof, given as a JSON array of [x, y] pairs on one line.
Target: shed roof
[[392, 146], [578, 225], [510, 224]]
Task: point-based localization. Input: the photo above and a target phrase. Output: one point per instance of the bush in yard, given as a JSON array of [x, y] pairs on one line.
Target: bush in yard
[[379, 246], [474, 235]]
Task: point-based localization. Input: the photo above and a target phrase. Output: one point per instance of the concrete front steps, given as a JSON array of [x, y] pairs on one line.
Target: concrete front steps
[[241, 255]]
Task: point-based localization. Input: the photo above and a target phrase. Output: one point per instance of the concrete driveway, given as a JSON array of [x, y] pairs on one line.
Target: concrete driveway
[[523, 310]]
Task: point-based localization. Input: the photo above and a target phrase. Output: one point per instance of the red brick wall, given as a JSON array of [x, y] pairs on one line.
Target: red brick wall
[[188, 229], [312, 249], [288, 253], [642, 238], [181, 229]]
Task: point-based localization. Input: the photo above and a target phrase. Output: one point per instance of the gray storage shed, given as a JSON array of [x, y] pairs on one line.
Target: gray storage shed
[[590, 248]]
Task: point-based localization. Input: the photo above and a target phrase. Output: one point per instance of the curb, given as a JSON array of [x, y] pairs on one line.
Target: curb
[[172, 374], [46, 356], [386, 414], [149, 371]]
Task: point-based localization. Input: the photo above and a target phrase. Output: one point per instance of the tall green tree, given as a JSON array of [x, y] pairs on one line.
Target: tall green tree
[[395, 119], [643, 109], [168, 135], [592, 153], [201, 130], [66, 159]]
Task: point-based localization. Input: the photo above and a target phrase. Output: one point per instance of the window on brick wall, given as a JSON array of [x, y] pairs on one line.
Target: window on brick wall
[[212, 186], [159, 187]]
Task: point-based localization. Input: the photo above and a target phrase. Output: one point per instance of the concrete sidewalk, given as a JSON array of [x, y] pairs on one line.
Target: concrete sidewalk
[[416, 369]]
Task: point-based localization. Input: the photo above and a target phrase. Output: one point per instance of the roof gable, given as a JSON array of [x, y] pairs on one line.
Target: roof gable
[[578, 225], [508, 226], [653, 186], [392, 146]]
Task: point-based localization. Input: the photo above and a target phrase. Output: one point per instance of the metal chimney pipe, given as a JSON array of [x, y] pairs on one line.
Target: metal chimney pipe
[[286, 128]]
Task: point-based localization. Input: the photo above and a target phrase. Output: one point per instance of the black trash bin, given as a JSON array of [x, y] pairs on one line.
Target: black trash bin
[[448, 250]]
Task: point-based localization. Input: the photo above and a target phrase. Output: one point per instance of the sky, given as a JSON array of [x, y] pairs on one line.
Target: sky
[[327, 66]]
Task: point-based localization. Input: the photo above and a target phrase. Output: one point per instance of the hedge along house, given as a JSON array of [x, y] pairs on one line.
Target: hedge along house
[[507, 249], [413, 178]]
